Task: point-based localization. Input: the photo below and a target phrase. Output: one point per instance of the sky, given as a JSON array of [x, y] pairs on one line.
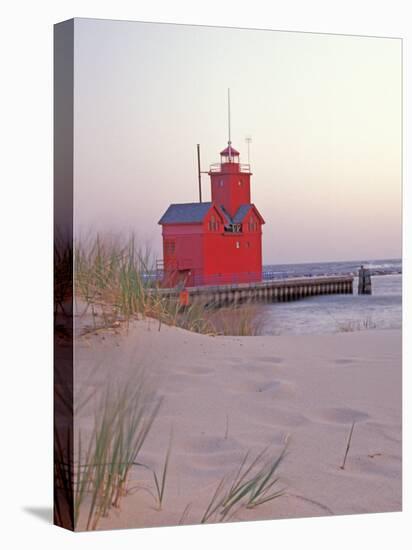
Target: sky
[[324, 113]]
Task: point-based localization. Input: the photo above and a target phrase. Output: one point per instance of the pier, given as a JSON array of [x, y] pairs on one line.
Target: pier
[[275, 290]]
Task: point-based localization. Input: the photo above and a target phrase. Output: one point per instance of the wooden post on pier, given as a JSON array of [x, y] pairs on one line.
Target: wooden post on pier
[[365, 282]]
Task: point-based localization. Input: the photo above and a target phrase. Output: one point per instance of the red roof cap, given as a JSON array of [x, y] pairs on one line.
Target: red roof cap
[[229, 152]]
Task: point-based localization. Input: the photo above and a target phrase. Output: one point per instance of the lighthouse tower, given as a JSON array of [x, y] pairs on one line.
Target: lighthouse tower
[[216, 242], [230, 181]]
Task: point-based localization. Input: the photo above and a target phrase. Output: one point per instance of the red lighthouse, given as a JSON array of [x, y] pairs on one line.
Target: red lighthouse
[[217, 242]]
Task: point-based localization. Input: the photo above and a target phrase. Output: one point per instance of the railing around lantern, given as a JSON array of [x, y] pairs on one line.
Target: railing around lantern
[[217, 167]]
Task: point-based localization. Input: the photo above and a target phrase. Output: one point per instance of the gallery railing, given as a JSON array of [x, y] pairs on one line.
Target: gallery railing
[[217, 167]]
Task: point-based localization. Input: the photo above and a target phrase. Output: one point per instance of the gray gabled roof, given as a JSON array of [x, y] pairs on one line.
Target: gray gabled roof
[[227, 218], [241, 213], [195, 212], [191, 212]]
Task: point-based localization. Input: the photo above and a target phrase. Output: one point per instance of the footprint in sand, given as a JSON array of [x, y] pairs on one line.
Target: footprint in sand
[[205, 444], [264, 389], [201, 472], [269, 386], [263, 435], [272, 360], [255, 370], [268, 413], [255, 387], [381, 465], [181, 381], [391, 432], [344, 361], [219, 460], [260, 364], [343, 415], [195, 371]]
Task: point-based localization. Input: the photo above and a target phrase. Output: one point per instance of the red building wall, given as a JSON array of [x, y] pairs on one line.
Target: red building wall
[[198, 254], [184, 261], [233, 257]]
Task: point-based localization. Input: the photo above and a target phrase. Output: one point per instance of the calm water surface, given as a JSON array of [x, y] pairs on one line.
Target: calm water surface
[[333, 313]]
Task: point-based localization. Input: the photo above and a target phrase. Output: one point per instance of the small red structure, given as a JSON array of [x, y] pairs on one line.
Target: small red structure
[[217, 242]]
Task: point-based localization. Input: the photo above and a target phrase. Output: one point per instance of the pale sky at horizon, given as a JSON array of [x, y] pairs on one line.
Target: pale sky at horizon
[[324, 113]]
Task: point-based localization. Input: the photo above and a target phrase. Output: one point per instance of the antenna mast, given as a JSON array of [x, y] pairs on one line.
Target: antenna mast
[[198, 173], [228, 115], [248, 140]]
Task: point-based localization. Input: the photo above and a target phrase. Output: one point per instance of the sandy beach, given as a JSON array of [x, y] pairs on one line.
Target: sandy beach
[[224, 396]]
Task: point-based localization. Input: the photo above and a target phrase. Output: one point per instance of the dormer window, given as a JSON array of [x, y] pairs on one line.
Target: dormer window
[[234, 228], [213, 223], [253, 226]]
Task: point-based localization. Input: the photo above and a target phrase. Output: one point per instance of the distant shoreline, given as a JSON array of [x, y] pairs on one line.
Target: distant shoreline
[[307, 269]]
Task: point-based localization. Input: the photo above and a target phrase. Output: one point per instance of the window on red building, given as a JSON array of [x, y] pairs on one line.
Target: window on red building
[[234, 228], [170, 248], [213, 223], [253, 224]]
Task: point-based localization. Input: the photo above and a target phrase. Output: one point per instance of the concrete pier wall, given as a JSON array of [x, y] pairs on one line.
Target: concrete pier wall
[[265, 291]]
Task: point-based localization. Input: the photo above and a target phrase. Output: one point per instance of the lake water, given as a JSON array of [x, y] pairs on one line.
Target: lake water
[[340, 312]]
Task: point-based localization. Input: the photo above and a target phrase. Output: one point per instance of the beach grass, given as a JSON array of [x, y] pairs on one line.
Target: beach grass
[[123, 419], [160, 481], [92, 468], [115, 279], [354, 325], [348, 446], [238, 320], [252, 484]]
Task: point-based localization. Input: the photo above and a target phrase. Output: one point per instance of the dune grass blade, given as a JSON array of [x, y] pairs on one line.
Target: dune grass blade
[[347, 446], [185, 513], [161, 484], [241, 475], [251, 486], [236, 498], [214, 503], [259, 494], [123, 419]]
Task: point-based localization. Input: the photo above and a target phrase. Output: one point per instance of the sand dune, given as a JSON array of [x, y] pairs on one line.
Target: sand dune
[[223, 396]]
